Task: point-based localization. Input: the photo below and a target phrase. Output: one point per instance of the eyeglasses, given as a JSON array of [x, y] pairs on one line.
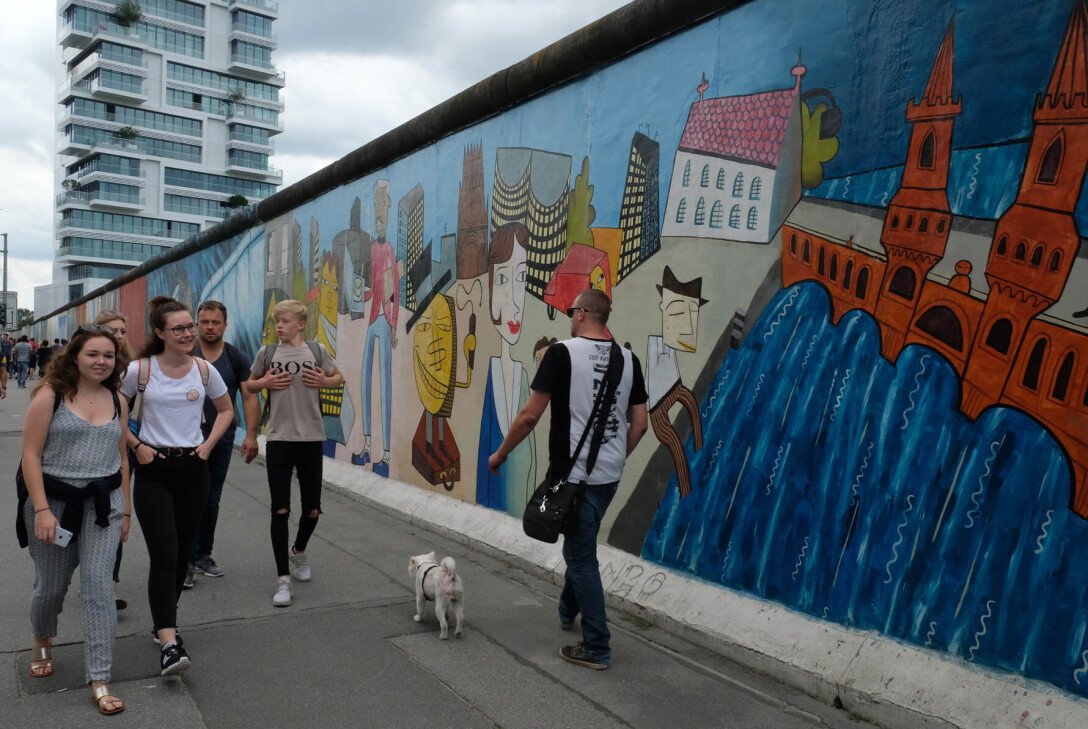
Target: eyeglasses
[[181, 329], [98, 329]]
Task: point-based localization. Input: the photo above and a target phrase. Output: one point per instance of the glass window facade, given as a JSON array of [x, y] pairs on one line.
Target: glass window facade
[[146, 145], [221, 81], [96, 270], [251, 54], [179, 10], [217, 183], [113, 191], [110, 163], [100, 248], [130, 224], [135, 117], [194, 206], [89, 20], [245, 158], [253, 135], [251, 23]]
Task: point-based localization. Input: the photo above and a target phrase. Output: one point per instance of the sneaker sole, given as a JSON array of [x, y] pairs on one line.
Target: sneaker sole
[[588, 664], [179, 667], [281, 604], [210, 574]]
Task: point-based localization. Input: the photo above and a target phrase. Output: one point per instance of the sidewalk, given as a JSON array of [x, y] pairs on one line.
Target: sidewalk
[[347, 652]]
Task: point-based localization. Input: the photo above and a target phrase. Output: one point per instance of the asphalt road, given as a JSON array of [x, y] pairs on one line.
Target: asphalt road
[[347, 652]]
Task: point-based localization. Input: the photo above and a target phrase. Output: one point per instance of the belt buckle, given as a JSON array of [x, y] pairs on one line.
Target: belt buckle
[[175, 452]]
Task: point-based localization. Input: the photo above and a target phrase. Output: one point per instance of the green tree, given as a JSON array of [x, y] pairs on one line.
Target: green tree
[[128, 13], [580, 211], [25, 316]]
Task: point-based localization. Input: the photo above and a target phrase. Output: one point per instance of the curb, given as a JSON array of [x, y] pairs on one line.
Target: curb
[[874, 677]]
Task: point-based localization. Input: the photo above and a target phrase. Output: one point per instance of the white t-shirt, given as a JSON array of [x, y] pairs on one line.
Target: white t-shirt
[[171, 411]]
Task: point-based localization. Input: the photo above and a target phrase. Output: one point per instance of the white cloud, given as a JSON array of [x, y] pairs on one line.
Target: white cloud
[[355, 70]]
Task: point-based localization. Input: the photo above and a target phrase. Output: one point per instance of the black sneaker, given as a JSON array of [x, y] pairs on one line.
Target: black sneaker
[[177, 637], [174, 659], [577, 654]]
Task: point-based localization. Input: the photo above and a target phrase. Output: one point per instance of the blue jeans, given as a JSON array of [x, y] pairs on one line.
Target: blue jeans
[[22, 369], [381, 332], [218, 463], [582, 589]]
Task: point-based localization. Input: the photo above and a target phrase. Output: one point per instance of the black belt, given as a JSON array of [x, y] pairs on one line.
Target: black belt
[[172, 451]]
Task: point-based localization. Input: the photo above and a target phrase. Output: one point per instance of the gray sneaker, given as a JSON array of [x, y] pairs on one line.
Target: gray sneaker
[[189, 583], [282, 598], [207, 567], [300, 567]]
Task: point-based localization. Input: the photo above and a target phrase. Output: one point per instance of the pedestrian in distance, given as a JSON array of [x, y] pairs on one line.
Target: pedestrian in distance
[[568, 378], [75, 486], [32, 364], [44, 353], [5, 348], [116, 321], [293, 371], [233, 365], [172, 459], [22, 352], [5, 360]]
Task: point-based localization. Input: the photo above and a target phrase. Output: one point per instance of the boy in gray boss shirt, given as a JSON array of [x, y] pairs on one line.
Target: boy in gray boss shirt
[[293, 371]]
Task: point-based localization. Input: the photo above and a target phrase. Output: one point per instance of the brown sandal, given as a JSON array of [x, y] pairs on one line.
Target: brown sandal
[[41, 664], [101, 695]]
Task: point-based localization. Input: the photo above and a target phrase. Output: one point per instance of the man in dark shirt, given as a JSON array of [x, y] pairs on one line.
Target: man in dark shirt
[[233, 364], [568, 379]]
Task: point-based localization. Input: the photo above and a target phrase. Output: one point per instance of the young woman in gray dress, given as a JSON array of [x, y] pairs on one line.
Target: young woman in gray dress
[[75, 480]]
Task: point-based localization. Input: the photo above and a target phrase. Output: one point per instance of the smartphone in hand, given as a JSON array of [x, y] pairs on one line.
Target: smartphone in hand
[[61, 536]]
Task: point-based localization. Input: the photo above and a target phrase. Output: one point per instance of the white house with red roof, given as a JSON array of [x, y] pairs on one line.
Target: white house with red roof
[[737, 172]]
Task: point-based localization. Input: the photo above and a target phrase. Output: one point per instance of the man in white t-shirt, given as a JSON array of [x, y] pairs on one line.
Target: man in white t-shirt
[[568, 379]]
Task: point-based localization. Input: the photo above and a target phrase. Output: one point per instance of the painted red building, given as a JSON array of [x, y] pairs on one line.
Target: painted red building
[[1004, 354]]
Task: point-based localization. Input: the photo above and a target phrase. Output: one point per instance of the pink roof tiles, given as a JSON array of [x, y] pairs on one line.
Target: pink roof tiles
[[747, 128]]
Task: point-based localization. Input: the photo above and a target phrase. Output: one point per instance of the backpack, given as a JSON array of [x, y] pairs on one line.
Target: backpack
[[269, 353], [143, 376]]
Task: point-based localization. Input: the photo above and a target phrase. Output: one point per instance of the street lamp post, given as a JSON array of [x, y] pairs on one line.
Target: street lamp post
[[5, 294]]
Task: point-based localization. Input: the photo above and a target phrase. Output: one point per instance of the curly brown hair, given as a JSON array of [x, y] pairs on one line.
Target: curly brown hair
[[62, 372]]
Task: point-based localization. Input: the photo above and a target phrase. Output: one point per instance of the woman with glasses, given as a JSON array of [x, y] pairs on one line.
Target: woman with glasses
[[117, 321], [75, 487], [172, 459]]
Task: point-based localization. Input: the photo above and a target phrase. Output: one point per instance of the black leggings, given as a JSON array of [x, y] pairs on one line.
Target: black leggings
[[282, 459], [169, 498]]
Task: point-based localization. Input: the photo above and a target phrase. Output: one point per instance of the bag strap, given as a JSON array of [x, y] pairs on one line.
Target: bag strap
[[315, 349], [205, 373], [596, 423]]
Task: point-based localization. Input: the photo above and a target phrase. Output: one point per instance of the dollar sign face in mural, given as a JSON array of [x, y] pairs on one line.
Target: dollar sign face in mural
[[434, 451]]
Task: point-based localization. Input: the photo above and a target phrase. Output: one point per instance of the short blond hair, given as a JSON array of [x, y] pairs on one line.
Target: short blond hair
[[290, 306]]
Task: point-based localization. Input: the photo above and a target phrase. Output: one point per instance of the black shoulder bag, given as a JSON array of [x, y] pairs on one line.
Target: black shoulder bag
[[554, 505]]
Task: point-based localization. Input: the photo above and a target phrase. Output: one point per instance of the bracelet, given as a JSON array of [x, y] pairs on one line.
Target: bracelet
[[129, 515], [38, 511]]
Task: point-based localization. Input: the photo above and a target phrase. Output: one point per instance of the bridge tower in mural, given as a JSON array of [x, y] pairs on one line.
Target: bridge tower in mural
[[916, 225], [1036, 238], [1004, 353]]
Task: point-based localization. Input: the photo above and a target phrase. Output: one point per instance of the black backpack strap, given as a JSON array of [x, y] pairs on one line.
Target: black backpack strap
[[315, 349]]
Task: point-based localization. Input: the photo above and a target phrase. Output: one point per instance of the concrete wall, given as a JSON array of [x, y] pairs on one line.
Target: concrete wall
[[872, 457]]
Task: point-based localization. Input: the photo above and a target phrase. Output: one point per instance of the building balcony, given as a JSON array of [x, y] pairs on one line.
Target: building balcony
[[238, 113], [80, 34], [98, 88], [262, 147], [264, 7], [125, 63], [256, 68], [249, 34], [128, 232], [73, 147], [100, 168], [265, 173], [101, 200]]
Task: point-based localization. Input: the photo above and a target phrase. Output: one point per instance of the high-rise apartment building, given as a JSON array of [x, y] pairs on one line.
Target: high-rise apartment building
[[166, 113]]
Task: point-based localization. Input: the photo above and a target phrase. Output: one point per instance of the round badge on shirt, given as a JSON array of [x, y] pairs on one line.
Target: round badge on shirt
[[192, 395]]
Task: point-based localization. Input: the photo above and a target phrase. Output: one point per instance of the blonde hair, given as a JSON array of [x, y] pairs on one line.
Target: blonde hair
[[124, 351], [290, 306]]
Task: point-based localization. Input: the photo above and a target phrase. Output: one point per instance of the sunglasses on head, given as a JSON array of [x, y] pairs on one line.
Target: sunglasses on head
[[98, 329]]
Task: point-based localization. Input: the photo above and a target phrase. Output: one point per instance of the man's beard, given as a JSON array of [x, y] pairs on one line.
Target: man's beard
[[214, 339]]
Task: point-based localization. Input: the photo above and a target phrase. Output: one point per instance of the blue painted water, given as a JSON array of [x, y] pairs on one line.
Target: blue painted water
[[838, 484]]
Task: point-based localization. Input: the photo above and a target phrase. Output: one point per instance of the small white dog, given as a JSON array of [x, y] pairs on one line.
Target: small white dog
[[440, 583]]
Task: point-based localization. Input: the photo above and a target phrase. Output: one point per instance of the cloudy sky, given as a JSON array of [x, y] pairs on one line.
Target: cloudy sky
[[355, 69]]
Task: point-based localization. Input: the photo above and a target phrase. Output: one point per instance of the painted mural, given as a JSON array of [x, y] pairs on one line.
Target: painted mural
[[858, 298]]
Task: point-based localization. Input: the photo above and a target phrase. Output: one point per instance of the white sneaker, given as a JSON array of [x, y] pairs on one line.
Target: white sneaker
[[300, 567], [282, 598]]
